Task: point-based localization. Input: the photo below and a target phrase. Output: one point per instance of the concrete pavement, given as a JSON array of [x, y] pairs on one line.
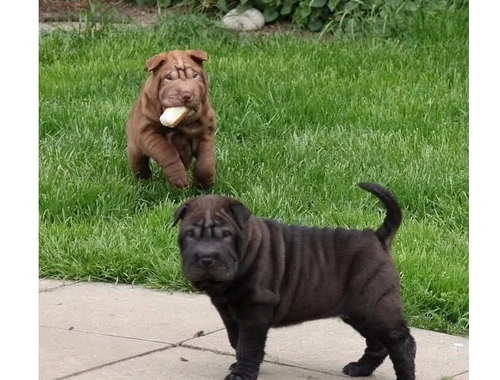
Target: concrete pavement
[[98, 331]]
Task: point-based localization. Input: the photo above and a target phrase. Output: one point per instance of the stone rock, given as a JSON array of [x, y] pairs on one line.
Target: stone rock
[[251, 19]]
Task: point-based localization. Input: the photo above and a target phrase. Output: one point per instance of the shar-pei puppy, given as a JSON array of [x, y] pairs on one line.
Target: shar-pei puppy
[[177, 79], [260, 273]]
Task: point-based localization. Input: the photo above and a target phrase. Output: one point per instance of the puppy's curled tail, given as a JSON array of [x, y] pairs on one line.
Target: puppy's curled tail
[[392, 221]]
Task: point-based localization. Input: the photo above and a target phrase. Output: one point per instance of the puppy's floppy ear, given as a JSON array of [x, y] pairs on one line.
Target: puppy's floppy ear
[[199, 56], [180, 213], [155, 62], [240, 213]]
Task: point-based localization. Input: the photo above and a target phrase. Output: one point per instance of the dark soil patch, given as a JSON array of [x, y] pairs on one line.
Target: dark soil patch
[[72, 10]]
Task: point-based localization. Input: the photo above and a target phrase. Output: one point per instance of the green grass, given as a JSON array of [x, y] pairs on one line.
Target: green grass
[[301, 122]]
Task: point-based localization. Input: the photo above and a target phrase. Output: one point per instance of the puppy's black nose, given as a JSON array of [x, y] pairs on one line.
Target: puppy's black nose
[[206, 261]]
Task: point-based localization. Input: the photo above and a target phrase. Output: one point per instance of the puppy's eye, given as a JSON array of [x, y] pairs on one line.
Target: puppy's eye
[[189, 234], [195, 75], [226, 234], [168, 77]]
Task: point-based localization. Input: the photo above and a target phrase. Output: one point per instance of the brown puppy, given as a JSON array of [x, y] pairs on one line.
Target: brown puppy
[[260, 273], [177, 79]]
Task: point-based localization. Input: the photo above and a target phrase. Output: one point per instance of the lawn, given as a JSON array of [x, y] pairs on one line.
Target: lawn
[[301, 121]]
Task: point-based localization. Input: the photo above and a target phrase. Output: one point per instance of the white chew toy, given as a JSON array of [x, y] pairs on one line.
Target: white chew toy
[[173, 116]]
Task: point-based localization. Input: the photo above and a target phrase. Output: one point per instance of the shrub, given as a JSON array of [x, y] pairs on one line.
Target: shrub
[[340, 17]]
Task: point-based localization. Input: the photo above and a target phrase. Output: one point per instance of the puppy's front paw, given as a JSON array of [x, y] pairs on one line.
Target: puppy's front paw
[[240, 375], [181, 182], [236, 376], [354, 369]]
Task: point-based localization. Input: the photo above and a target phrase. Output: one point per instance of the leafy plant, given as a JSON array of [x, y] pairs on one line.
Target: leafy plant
[[338, 17]]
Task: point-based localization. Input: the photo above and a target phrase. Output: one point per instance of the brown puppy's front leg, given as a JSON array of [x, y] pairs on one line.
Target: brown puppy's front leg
[[254, 322], [164, 153]]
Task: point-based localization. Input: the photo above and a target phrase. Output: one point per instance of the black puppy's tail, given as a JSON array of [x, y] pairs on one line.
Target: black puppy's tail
[[394, 216]]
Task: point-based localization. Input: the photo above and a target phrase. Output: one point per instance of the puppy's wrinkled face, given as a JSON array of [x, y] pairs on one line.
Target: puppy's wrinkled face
[[181, 80], [209, 239]]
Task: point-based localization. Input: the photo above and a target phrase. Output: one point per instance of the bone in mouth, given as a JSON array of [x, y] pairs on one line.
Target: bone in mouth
[[172, 116]]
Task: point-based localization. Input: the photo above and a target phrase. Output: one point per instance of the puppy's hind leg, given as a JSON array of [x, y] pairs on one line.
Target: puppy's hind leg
[[402, 350], [381, 341], [140, 167], [374, 354], [138, 163]]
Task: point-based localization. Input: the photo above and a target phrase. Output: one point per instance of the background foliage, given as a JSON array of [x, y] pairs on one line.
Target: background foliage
[[338, 17]]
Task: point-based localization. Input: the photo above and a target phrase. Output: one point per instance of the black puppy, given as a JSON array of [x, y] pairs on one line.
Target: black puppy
[[260, 273]]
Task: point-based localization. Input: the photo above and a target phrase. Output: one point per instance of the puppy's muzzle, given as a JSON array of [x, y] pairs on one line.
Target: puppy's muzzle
[[209, 261], [207, 257]]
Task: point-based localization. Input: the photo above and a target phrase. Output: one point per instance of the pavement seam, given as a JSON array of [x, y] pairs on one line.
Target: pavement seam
[[114, 362], [178, 344], [265, 360], [184, 345], [170, 346], [200, 334], [458, 374], [110, 335], [57, 287]]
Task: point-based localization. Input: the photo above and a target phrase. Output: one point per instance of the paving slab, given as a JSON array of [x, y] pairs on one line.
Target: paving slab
[[65, 352], [186, 364], [106, 331], [328, 345], [127, 311]]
